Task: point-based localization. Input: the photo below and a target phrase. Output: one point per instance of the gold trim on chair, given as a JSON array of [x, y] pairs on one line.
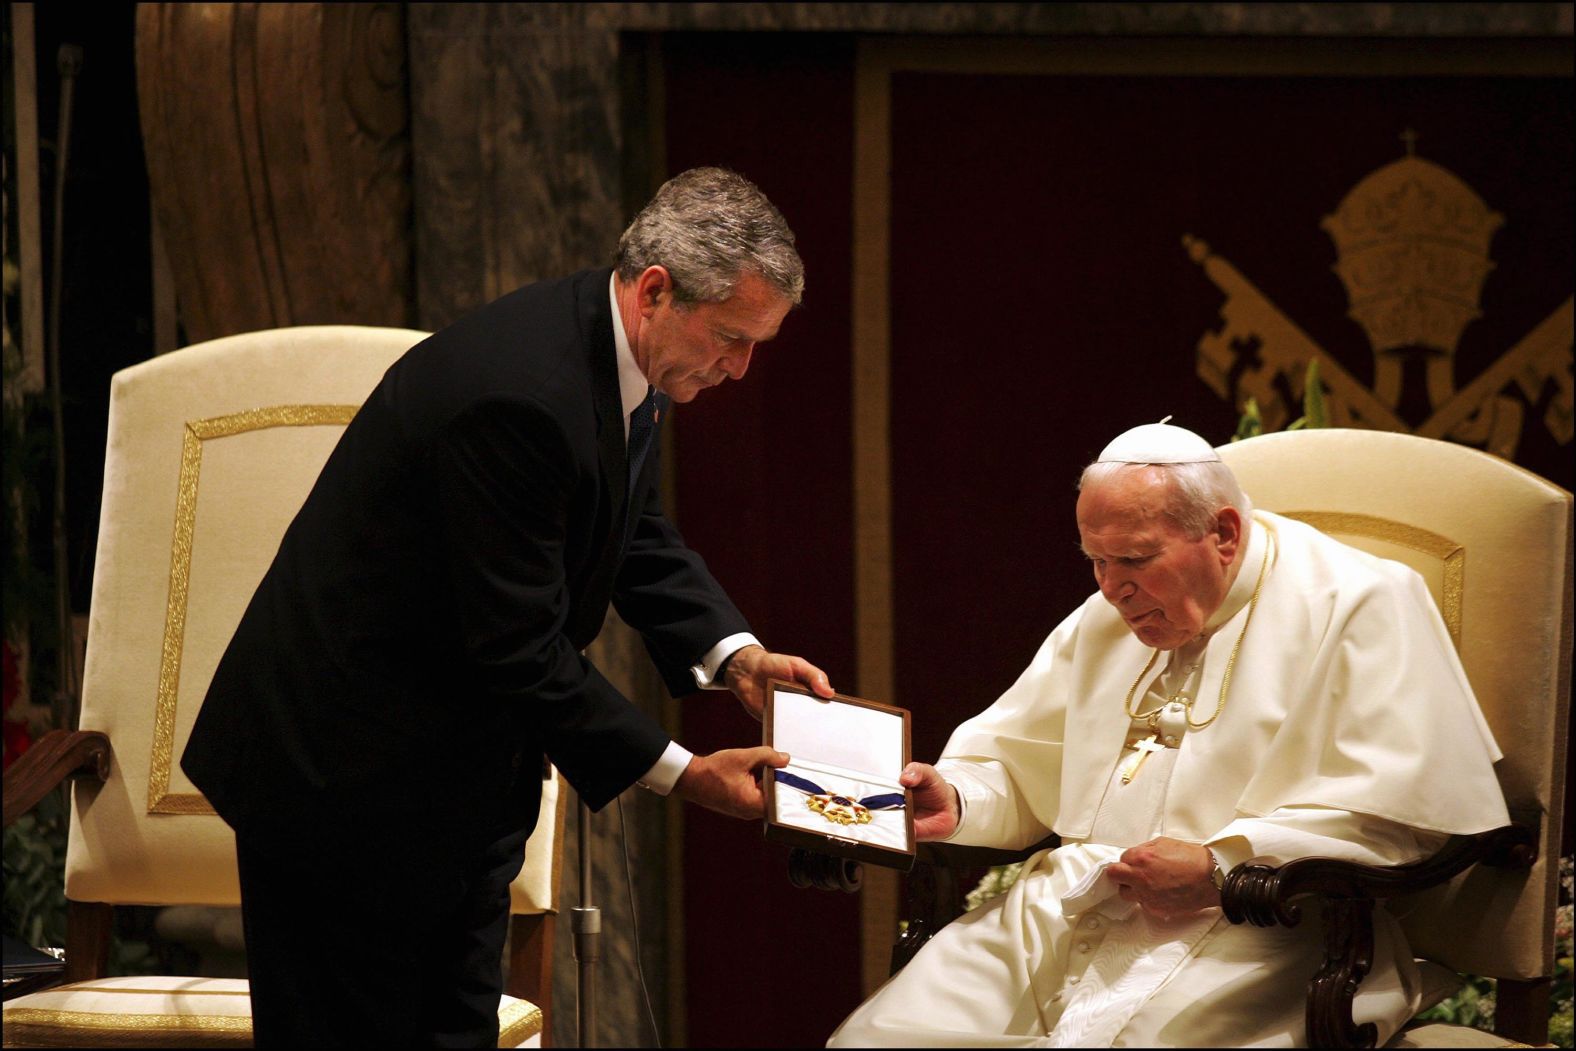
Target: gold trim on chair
[[160, 799], [518, 1021], [42, 1027], [1450, 553]]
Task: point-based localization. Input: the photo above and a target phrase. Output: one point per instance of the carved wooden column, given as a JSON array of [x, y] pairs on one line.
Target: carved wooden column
[[516, 128], [278, 150]]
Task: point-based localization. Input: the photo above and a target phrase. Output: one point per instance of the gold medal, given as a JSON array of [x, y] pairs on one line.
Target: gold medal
[[840, 810]]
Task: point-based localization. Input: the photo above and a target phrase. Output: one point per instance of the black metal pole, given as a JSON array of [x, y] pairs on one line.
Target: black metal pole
[[586, 923]]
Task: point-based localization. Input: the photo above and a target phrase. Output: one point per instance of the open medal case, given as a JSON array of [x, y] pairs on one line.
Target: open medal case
[[839, 794]]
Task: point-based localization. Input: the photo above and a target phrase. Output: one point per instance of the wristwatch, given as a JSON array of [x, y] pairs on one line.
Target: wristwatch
[[1217, 875]]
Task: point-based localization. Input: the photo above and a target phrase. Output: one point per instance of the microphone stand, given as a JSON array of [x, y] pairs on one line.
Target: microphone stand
[[586, 923]]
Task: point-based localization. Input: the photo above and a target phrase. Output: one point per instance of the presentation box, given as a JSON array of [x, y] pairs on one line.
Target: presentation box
[[839, 794]]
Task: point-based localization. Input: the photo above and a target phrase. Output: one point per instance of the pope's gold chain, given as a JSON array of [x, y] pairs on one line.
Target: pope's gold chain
[[1231, 663]]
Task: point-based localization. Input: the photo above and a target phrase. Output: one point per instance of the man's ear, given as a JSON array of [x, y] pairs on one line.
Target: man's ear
[[650, 287], [1228, 533]]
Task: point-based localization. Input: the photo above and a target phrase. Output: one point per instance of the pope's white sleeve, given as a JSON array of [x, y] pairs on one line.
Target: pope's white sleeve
[[1311, 831], [994, 812]]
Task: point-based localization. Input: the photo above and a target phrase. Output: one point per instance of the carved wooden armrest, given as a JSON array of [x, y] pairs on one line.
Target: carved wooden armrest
[[935, 890], [810, 868], [1266, 896], [57, 757]]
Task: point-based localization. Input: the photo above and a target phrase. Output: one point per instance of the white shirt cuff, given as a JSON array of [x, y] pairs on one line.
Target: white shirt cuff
[[665, 773], [707, 670]]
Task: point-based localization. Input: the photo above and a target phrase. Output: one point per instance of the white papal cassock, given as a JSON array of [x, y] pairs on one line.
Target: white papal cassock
[[1348, 731]]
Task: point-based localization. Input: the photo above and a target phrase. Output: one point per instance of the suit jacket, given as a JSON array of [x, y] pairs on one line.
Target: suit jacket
[[415, 648]]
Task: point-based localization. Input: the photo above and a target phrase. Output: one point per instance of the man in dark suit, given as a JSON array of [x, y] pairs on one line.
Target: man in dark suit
[[375, 731]]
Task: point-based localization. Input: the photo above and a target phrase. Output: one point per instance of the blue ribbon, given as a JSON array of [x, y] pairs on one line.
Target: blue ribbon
[[885, 801]]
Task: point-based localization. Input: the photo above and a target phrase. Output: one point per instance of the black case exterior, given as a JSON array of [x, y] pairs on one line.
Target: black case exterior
[[829, 842]]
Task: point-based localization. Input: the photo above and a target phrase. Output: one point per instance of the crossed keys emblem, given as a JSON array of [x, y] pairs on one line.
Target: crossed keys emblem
[[1412, 244]]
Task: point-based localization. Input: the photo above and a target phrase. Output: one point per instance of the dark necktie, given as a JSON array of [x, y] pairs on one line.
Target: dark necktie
[[642, 430]]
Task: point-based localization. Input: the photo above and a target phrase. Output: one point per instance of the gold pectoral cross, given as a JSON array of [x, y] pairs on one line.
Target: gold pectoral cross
[[1141, 750]]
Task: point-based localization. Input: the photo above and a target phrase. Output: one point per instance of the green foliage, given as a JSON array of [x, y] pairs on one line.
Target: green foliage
[[1561, 994], [1472, 1006], [35, 888], [35, 874], [1251, 425], [997, 881], [1560, 1033], [1314, 411]]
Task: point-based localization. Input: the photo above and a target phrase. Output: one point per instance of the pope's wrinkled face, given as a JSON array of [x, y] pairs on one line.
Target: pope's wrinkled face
[[1163, 583], [685, 348]]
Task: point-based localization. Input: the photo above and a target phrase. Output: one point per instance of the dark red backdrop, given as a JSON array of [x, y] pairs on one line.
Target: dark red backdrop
[[765, 491]]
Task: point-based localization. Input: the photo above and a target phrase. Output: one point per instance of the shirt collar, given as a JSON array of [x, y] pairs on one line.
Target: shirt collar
[[632, 385]]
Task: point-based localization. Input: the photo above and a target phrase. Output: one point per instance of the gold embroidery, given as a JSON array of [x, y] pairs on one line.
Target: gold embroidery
[[39, 1027], [1451, 554], [518, 1020], [1412, 245], [91, 986], [1412, 241], [160, 799]]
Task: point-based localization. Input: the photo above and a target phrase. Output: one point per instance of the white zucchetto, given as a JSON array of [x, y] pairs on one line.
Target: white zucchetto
[[1158, 443]]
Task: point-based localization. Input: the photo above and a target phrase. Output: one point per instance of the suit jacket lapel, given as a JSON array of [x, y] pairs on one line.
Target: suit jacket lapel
[[612, 454]]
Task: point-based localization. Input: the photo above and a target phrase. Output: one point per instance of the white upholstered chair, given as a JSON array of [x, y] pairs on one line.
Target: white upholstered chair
[[1493, 541], [212, 449]]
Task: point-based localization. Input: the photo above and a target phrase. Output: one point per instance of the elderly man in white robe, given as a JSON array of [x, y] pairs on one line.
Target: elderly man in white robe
[[1241, 688]]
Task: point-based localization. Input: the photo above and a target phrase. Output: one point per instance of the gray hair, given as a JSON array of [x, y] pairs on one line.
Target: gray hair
[[707, 227], [1197, 491]]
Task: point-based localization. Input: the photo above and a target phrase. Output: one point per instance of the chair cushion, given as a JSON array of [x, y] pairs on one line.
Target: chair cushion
[[152, 1011], [176, 1012]]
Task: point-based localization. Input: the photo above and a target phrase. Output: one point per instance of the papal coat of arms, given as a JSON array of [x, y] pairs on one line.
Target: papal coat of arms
[[1412, 244]]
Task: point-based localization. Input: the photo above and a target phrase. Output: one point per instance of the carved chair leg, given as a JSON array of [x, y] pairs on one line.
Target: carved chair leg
[[1348, 957], [89, 925]]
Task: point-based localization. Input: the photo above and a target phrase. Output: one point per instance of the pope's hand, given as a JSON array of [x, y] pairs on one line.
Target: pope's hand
[[751, 667], [726, 781], [1167, 877], [935, 801]]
